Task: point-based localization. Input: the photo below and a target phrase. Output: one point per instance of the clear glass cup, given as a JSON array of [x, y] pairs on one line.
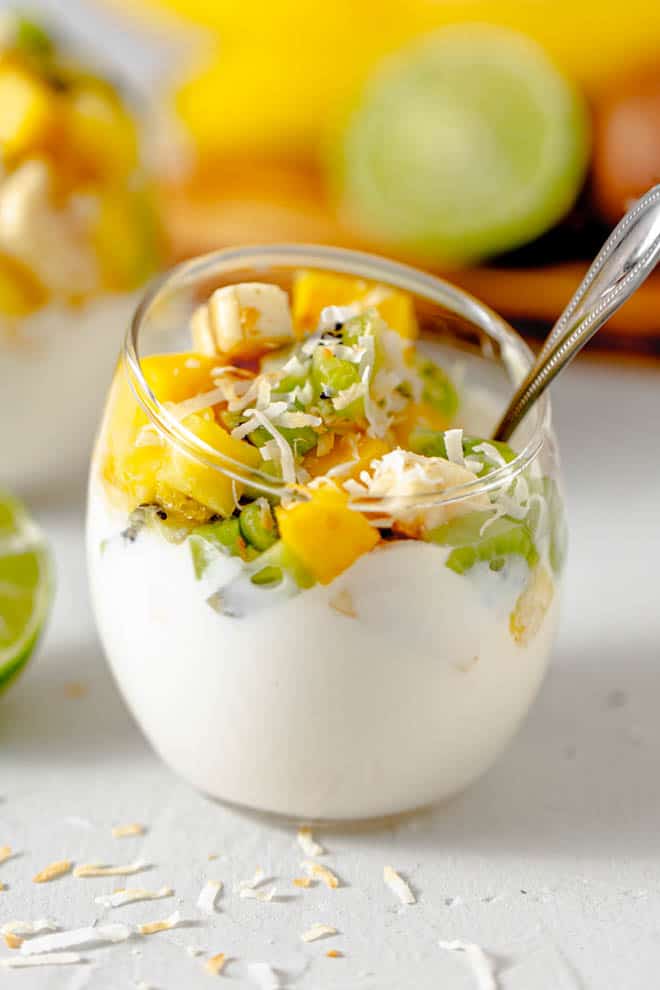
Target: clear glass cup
[[390, 688]]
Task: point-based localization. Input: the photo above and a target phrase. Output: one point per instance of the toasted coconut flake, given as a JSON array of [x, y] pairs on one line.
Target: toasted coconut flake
[[264, 976], [308, 844], [98, 870], [209, 894], [5, 853], [75, 938], [342, 602], [50, 959], [259, 877], [160, 926], [52, 872], [28, 927], [320, 872], [13, 941], [262, 894], [124, 831], [131, 895], [302, 882], [318, 931], [398, 885], [334, 954], [482, 966], [216, 964]]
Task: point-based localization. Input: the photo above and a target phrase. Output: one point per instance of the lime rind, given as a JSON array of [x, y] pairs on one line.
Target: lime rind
[[23, 555], [468, 144]]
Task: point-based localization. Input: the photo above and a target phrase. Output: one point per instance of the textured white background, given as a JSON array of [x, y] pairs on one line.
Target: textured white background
[[551, 862]]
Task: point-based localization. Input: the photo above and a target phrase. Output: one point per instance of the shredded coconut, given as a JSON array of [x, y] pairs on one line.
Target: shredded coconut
[[209, 894], [216, 964], [264, 894], [398, 885], [482, 966], [50, 959], [98, 870], [160, 926], [131, 895], [321, 872], [124, 831], [53, 871], [341, 602], [318, 931], [28, 927], [454, 447], [76, 937], [308, 844]]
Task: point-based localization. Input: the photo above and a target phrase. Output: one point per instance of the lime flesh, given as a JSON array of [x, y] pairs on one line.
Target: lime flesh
[[26, 587], [466, 145]]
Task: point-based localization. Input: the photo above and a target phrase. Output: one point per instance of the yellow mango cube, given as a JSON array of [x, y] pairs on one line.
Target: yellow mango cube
[[418, 414], [194, 479], [101, 132], [28, 109], [325, 534], [314, 290], [147, 469], [363, 451]]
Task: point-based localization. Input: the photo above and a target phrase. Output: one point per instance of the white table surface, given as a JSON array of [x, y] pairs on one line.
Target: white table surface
[[551, 862]]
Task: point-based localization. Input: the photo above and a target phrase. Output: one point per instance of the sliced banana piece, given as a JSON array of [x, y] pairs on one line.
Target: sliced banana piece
[[242, 321], [532, 605]]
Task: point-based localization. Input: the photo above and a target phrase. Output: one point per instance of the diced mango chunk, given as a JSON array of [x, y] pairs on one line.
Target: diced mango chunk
[[363, 450], [101, 131], [148, 469], [418, 414], [325, 534], [314, 290], [27, 108], [207, 485]]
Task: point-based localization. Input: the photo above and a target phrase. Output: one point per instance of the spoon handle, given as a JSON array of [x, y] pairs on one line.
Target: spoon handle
[[627, 258]]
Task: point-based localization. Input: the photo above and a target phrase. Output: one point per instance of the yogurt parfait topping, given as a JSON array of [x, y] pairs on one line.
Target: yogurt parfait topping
[[320, 543]]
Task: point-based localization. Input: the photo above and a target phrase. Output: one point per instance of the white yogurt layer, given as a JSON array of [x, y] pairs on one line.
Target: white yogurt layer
[[55, 368], [300, 708]]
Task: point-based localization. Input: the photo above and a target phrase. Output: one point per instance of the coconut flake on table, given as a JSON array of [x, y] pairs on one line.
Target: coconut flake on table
[[152, 927], [76, 937], [216, 964], [263, 976], [131, 895], [29, 927], [49, 959], [320, 872], [398, 885], [307, 842], [53, 871], [264, 894], [5, 853], [318, 931], [208, 896], [258, 878], [482, 966], [99, 870], [125, 831]]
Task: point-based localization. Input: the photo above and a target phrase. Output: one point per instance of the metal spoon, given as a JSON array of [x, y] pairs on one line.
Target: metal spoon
[[627, 258]]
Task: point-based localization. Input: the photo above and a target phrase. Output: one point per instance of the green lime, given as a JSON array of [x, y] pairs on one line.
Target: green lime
[[26, 587], [465, 145]]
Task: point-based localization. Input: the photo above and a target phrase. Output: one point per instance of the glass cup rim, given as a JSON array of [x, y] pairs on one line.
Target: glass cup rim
[[361, 264]]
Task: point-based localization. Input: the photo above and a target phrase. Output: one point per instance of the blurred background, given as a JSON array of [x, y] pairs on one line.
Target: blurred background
[[494, 140]]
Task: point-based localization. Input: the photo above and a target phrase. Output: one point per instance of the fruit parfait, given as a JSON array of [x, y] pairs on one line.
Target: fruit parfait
[[324, 592], [77, 238]]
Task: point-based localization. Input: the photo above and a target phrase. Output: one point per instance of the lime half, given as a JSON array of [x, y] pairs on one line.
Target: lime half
[[465, 145], [26, 587]]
